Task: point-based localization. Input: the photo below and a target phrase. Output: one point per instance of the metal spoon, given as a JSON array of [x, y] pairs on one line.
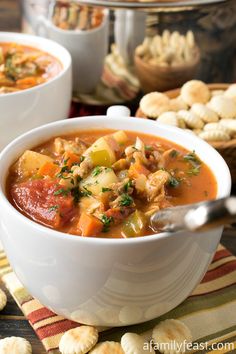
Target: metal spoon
[[195, 217]]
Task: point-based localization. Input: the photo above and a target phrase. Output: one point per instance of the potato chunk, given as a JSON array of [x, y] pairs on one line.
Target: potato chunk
[[94, 183], [120, 137], [110, 143], [29, 163]]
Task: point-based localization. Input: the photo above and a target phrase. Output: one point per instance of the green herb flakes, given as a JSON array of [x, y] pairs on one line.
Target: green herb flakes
[[174, 153], [96, 171], [104, 189], [126, 200], [53, 208], [174, 182], [106, 220], [62, 191]]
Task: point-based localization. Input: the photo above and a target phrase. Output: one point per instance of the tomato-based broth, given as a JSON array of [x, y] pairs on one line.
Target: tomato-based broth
[[23, 67], [106, 183]]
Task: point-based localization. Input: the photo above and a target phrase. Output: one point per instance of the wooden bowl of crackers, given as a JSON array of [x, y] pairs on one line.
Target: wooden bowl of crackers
[[207, 110], [167, 61]]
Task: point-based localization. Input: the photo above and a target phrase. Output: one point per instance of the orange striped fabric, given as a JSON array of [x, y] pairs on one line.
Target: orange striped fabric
[[212, 303]]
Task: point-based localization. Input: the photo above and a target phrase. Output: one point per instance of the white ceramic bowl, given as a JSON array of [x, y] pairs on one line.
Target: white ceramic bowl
[[109, 282], [27, 109]]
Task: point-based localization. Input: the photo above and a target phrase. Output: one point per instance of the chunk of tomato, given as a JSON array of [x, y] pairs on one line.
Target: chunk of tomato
[[44, 201]]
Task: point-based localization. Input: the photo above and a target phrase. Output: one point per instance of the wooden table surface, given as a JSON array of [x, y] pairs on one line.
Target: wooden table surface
[[12, 321]]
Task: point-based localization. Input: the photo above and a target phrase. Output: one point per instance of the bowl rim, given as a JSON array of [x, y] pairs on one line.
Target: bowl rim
[[66, 61], [94, 240]]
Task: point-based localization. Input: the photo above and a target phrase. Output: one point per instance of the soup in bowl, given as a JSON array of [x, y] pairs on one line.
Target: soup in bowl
[[84, 248], [102, 183], [23, 67], [35, 83]]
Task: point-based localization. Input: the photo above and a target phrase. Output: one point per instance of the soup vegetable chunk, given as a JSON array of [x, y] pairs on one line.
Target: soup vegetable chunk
[[23, 67], [106, 183]]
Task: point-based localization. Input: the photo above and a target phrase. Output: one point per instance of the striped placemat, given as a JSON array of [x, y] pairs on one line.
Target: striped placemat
[[210, 312]]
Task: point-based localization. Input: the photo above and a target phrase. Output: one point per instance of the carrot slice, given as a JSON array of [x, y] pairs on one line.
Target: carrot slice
[[27, 82], [89, 225], [49, 169], [70, 158], [137, 169]]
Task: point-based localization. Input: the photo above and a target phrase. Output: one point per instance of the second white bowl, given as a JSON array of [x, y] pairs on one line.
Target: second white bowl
[[27, 109]]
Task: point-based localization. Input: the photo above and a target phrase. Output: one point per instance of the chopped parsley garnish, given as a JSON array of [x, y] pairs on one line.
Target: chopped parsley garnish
[[128, 185], [79, 179], [194, 162], [126, 200], [174, 153], [106, 220], [174, 182], [85, 192], [82, 158], [104, 189], [62, 191], [194, 171], [65, 161], [96, 171], [53, 208], [63, 170], [192, 158]]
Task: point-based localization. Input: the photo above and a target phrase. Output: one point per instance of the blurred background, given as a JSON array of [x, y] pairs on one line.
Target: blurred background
[[141, 48]]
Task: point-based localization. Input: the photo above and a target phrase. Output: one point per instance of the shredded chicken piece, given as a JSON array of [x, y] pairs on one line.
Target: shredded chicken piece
[[117, 203], [166, 156], [140, 157], [129, 152], [62, 145], [119, 165], [136, 152], [92, 205], [155, 185], [140, 184], [156, 159], [122, 187], [151, 158], [83, 169]]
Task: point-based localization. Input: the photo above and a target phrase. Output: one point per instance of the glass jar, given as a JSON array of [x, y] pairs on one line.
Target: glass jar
[[207, 26]]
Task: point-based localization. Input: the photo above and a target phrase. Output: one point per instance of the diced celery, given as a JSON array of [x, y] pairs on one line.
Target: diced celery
[[135, 225], [101, 144], [100, 158]]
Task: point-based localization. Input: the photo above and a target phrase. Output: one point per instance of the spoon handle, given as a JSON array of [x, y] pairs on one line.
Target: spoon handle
[[195, 217]]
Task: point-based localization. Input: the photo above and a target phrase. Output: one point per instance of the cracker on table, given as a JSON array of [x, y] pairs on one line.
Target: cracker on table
[[171, 331], [133, 343], [15, 345], [78, 340]]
